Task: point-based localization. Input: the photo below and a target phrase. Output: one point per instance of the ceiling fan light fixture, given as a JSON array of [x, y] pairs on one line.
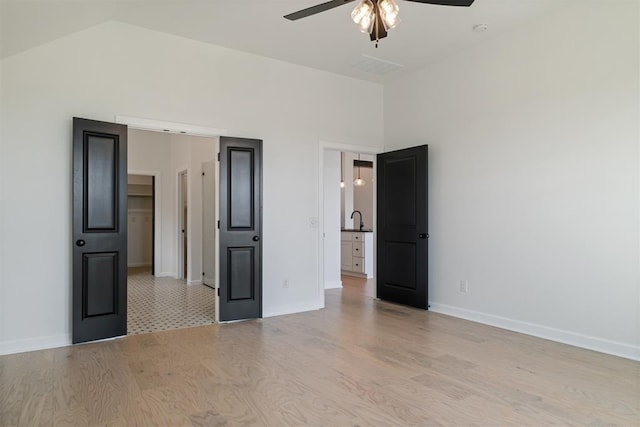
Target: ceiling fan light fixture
[[364, 15], [389, 11], [375, 17]]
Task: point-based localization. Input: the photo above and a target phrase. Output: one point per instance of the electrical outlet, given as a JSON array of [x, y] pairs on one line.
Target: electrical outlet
[[464, 286], [285, 283]]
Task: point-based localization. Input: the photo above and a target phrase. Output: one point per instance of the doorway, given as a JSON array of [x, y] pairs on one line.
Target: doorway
[[349, 254], [183, 215], [102, 157], [400, 252], [140, 222], [173, 296]]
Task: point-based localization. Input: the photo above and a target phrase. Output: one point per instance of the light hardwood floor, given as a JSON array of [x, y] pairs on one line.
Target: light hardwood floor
[[359, 362]]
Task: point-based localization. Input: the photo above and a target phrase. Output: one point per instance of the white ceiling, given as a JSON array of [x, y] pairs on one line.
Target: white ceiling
[[327, 41]]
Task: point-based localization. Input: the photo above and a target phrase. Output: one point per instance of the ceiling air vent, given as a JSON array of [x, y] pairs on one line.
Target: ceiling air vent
[[371, 64]]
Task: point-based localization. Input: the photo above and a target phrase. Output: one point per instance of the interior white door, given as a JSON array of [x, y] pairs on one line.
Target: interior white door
[[208, 224]]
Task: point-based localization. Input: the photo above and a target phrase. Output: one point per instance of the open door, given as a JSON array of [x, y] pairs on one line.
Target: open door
[[240, 291], [402, 275], [208, 224], [99, 230]]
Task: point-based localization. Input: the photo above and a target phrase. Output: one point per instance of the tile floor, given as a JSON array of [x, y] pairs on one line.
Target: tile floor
[[158, 304]]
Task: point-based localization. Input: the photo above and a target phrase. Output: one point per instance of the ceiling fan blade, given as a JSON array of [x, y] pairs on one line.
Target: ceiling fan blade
[[465, 3], [316, 9]]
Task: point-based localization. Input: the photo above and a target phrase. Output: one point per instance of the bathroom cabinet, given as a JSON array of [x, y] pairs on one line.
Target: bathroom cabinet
[[356, 253]]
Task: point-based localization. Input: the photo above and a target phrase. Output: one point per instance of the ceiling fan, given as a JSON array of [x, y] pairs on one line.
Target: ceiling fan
[[375, 17]]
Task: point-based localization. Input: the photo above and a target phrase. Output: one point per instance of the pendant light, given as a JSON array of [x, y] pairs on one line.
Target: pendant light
[[341, 170], [359, 182]]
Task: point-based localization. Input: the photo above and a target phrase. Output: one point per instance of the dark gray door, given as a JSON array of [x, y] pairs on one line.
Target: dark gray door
[[99, 230], [402, 227], [240, 228]]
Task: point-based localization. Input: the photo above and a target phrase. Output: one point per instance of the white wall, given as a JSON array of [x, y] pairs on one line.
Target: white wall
[[363, 195], [134, 181], [117, 69], [3, 248], [533, 180], [331, 230]]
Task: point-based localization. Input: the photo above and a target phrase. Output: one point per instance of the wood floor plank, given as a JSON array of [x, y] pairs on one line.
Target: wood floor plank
[[359, 361]]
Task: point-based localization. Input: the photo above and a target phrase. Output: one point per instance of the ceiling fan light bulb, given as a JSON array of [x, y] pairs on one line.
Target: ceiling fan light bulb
[[388, 6], [366, 25], [389, 11], [363, 14], [364, 8], [391, 23]]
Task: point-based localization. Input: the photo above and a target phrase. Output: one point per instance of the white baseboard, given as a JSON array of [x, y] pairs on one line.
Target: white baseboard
[[333, 284], [566, 337], [194, 282], [138, 264], [32, 344], [291, 309], [164, 274]]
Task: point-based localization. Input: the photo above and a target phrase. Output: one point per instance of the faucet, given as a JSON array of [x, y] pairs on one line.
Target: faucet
[[361, 222]]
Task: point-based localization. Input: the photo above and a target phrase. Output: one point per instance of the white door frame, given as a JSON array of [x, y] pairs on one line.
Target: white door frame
[[183, 129], [325, 146]]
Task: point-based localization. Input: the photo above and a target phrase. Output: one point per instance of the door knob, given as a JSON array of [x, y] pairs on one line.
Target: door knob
[[256, 238], [423, 235], [80, 242]]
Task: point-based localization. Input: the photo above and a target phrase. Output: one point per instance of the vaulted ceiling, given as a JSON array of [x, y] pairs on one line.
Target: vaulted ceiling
[[328, 41]]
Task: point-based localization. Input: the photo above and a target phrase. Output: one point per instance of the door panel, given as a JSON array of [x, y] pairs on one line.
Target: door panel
[[99, 230], [241, 204], [241, 266], [99, 273], [240, 228], [100, 170], [399, 190], [402, 227]]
